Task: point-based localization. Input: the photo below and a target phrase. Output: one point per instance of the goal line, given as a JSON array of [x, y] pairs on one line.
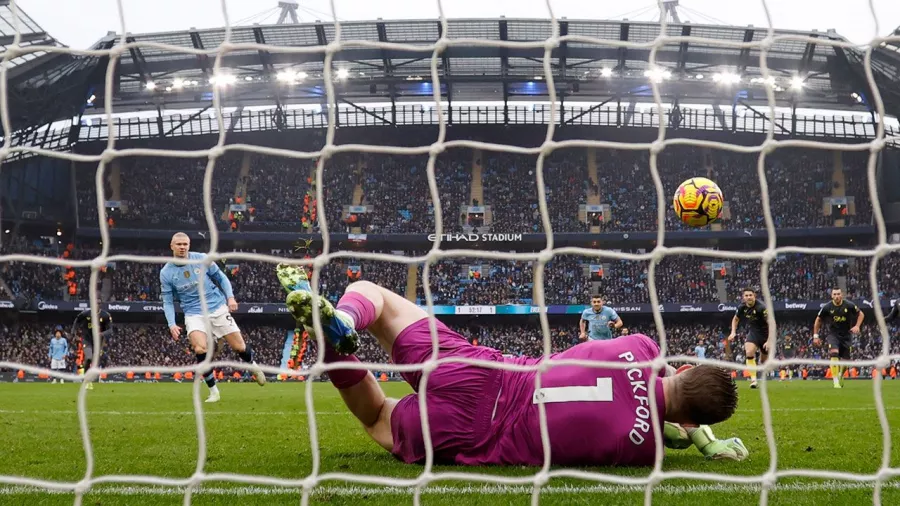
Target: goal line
[[438, 490]]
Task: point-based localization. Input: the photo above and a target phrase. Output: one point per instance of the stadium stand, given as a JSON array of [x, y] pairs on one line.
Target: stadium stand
[[679, 279], [397, 191]]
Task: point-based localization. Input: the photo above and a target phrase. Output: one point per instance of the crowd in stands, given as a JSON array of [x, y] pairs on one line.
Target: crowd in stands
[[159, 191], [30, 280], [465, 281], [277, 182], [397, 188], [150, 344]]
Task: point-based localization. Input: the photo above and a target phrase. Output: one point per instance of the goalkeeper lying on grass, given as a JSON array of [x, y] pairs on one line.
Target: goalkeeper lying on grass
[[479, 415]]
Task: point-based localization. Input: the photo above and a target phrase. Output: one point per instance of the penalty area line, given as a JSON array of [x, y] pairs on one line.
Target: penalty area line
[[825, 486]]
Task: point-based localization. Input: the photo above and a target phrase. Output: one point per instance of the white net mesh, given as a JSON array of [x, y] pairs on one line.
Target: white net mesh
[[541, 477]]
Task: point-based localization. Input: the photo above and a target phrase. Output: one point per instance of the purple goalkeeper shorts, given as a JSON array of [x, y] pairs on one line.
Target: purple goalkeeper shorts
[[460, 397]]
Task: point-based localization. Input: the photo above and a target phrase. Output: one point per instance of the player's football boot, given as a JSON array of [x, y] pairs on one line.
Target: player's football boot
[[726, 449], [258, 374], [753, 384], [841, 380], [90, 385], [675, 437], [292, 277], [213, 397], [338, 326]]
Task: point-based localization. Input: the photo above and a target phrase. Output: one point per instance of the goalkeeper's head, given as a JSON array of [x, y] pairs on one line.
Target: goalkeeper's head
[[701, 395]]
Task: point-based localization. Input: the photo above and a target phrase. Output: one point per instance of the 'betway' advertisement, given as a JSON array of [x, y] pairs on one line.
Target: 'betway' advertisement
[[258, 308]]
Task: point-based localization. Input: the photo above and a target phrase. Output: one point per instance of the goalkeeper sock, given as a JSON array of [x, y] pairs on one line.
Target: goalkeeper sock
[[359, 308], [835, 370], [210, 375], [343, 378], [751, 362], [247, 354]]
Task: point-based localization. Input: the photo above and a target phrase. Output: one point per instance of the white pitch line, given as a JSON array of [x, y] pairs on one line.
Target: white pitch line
[[826, 486], [302, 412]]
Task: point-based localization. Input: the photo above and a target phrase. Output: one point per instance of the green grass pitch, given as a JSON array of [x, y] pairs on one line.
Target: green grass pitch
[[149, 429]]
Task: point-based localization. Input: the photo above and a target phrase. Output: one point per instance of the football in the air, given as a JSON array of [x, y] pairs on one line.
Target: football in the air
[[698, 202]]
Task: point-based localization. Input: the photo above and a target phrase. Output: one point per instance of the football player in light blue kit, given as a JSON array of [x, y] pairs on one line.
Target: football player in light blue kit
[[183, 280], [59, 350], [598, 321]]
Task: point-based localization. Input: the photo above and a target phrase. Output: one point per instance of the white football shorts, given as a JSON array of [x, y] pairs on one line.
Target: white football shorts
[[57, 364], [220, 320]]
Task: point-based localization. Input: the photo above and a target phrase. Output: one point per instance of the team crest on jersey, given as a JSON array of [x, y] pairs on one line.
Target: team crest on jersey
[[187, 274]]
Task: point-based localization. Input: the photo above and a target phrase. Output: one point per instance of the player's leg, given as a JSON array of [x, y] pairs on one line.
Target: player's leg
[[199, 346], [361, 307], [223, 325], [236, 341], [750, 349], [86, 363], [364, 305], [763, 346], [461, 397], [844, 354], [834, 351]]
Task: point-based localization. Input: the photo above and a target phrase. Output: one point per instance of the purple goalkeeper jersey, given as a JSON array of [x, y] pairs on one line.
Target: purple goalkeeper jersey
[[595, 416]]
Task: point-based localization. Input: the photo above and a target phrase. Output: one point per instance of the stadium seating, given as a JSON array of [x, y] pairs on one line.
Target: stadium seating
[[678, 279], [396, 187]]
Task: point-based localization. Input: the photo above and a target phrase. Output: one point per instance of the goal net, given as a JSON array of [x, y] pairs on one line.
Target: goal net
[[767, 481]]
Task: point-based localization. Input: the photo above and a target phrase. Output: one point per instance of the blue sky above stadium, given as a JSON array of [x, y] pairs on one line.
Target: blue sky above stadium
[[80, 23]]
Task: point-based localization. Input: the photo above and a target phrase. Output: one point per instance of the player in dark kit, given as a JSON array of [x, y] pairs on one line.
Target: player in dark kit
[[895, 311], [755, 313], [788, 351], [84, 327], [844, 317]]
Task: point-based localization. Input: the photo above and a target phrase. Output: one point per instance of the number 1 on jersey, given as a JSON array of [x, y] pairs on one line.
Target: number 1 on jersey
[[601, 393]]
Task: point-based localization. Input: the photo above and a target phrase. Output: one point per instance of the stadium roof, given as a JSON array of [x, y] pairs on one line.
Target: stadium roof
[[887, 59], [31, 35], [583, 72]]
